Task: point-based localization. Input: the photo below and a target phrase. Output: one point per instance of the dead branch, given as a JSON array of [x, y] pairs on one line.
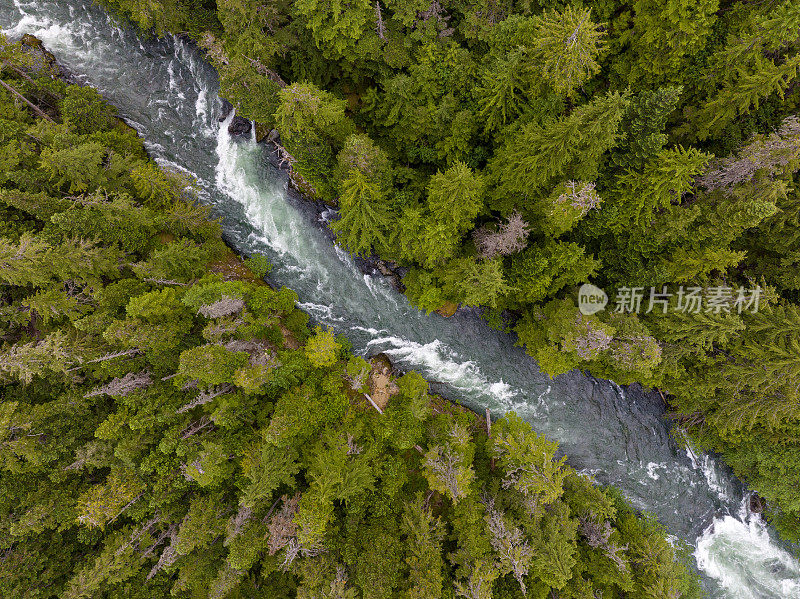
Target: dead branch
[[33, 106]]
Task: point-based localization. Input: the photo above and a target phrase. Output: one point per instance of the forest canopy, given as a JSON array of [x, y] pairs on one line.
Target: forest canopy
[[171, 426], [503, 152]]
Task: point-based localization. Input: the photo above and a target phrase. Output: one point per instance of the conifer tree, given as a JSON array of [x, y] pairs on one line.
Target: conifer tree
[[365, 216], [665, 35], [475, 283], [572, 146], [565, 46], [336, 26]]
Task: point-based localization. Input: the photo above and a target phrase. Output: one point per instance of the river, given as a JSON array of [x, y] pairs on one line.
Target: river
[[168, 92]]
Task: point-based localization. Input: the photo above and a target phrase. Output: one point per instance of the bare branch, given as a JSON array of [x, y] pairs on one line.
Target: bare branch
[[374, 405], [194, 428], [510, 238], [267, 72], [768, 153], [33, 106], [225, 306], [380, 28], [282, 529], [205, 396], [119, 354], [123, 386]]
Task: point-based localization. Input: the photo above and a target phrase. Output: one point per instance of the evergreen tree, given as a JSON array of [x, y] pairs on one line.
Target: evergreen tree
[[572, 146], [565, 46], [365, 216]]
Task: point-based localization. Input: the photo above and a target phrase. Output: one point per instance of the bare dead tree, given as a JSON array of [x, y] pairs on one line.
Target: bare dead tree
[[225, 306], [237, 523], [194, 428], [580, 195], [166, 282], [446, 464], [205, 396], [119, 354], [358, 379], [510, 544], [214, 331], [380, 28], [612, 551], [260, 353], [266, 71], [169, 555], [596, 534], [282, 529], [591, 340], [138, 534], [374, 405], [32, 106], [770, 154], [88, 453], [120, 387], [250, 346], [479, 582], [352, 448], [510, 238], [435, 11]]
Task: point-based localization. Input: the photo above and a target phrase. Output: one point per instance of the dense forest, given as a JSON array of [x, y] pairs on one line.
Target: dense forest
[[171, 426], [502, 152]]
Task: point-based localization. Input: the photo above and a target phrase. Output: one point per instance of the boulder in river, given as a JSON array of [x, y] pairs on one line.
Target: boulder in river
[[239, 126], [225, 110], [757, 503]]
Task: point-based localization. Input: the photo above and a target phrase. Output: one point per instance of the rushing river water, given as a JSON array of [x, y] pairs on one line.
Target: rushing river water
[[166, 90]]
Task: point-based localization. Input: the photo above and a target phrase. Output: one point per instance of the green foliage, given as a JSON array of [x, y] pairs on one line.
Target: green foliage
[[85, 111], [322, 348], [209, 364], [571, 147], [259, 264], [566, 45], [643, 126], [160, 188], [168, 432], [540, 270], [313, 129], [336, 26], [475, 283], [365, 218], [665, 36]]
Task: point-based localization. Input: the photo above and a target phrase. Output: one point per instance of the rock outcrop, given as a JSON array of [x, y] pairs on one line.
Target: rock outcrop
[[239, 126]]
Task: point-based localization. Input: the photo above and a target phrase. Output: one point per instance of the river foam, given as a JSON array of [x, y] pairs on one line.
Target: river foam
[[741, 554]]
